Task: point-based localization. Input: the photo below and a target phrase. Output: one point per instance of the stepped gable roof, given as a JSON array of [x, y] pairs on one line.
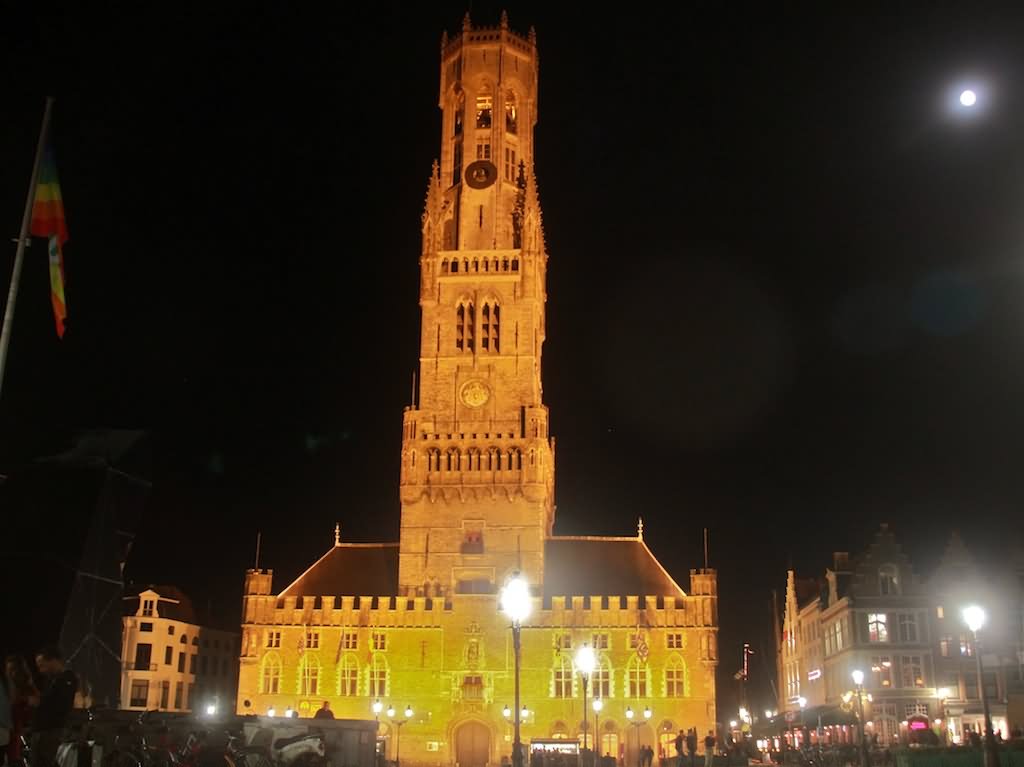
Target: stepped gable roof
[[807, 590], [350, 569], [591, 565]]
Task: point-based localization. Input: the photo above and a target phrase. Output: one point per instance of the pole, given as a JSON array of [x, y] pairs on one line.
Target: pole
[[860, 724], [19, 258], [517, 749], [398, 742], [583, 753], [990, 754]]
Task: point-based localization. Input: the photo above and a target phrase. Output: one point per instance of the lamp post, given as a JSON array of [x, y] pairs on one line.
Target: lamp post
[[975, 617], [515, 603], [858, 679], [598, 705], [585, 662], [398, 724]]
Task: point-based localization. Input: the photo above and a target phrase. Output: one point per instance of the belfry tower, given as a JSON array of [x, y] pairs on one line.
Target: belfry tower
[[477, 478]]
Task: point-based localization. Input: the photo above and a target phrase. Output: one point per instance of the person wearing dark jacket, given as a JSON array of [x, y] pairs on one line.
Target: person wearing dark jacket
[[55, 704]]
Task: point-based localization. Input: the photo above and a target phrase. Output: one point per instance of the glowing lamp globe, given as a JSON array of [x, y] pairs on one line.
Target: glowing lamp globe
[[271, 712], [586, 660], [506, 712], [515, 598], [408, 712], [377, 707], [974, 617], [648, 713], [598, 705], [391, 711], [858, 676], [968, 98], [629, 713]]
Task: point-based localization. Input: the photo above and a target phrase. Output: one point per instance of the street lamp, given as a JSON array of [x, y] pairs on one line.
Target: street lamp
[[398, 724], [515, 603], [858, 679], [598, 705], [974, 617], [585, 662]]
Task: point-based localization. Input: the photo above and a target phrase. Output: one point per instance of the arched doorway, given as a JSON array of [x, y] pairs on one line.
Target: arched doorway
[[472, 745]]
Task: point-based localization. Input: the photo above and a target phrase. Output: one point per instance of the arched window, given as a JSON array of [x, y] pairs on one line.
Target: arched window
[[348, 676], [637, 674], [511, 113], [434, 460], [490, 321], [444, 266], [888, 580], [667, 740], [675, 677], [561, 678], [601, 679], [493, 462], [460, 109], [559, 730], [484, 105], [452, 463], [270, 674], [609, 739], [309, 675], [184, 639], [378, 677], [465, 326]]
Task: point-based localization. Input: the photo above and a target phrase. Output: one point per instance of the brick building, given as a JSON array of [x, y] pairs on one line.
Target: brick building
[[417, 622]]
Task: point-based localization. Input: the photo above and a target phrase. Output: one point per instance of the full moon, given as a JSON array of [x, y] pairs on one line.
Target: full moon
[[968, 97]]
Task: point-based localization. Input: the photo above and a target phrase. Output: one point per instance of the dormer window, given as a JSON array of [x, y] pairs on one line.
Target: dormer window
[[484, 105], [147, 606], [888, 581]]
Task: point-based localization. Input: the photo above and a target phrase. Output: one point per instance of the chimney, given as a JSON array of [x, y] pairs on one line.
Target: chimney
[[841, 561]]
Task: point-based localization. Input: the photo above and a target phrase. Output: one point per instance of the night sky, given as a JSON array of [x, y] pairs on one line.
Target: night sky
[[785, 279]]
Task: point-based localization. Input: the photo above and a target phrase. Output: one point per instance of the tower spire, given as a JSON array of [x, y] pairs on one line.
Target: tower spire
[[639, 528], [337, 534]]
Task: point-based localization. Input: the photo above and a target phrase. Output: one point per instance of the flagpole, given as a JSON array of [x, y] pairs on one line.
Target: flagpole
[[19, 258]]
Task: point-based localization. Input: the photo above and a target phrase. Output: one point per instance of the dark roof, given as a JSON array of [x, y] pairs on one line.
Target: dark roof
[[350, 569], [178, 607], [594, 566]]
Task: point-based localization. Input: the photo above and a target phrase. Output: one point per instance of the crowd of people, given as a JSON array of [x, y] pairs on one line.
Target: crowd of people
[[34, 707]]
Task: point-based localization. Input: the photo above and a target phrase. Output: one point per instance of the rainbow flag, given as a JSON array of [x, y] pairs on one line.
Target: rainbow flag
[[48, 221]]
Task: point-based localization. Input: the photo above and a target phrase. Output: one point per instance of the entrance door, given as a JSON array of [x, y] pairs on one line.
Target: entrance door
[[472, 745]]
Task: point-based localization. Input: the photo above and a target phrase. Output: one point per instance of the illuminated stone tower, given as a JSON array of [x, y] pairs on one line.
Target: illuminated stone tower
[[477, 479]]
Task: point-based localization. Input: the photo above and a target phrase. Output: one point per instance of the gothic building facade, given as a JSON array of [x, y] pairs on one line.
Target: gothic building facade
[[417, 623]]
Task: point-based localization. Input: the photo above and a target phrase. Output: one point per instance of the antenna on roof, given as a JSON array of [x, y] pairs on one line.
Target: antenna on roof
[[258, 536], [337, 534], [705, 548], [412, 401]]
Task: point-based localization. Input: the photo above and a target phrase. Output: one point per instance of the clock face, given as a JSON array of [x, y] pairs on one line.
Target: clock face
[[474, 393], [481, 174]]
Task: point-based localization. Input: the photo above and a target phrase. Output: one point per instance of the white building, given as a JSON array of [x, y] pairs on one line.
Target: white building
[[169, 661]]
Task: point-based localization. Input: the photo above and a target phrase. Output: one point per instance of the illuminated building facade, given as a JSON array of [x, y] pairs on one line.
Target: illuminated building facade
[[170, 661], [416, 623]]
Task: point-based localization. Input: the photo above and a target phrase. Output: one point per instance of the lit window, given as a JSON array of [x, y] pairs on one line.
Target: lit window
[[309, 675], [636, 674], [675, 678], [966, 648], [378, 677], [348, 676], [562, 679], [878, 631], [674, 641], [511, 113], [380, 641], [270, 679], [939, 612], [881, 668], [273, 639], [147, 606], [350, 640], [484, 104], [944, 646], [312, 640], [601, 680], [599, 641]]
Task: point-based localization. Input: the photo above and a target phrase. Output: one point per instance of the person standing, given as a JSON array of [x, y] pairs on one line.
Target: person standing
[[55, 704], [324, 712], [680, 748], [691, 745], [709, 749]]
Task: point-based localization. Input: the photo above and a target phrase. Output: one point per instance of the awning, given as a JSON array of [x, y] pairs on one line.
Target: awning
[[806, 718]]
